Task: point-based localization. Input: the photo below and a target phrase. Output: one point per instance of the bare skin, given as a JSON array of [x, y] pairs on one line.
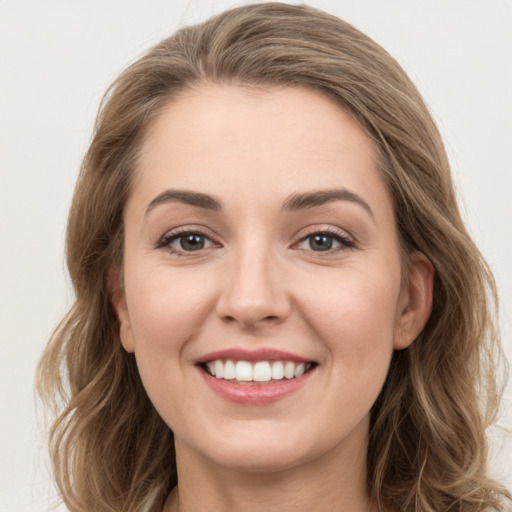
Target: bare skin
[[280, 491], [258, 224]]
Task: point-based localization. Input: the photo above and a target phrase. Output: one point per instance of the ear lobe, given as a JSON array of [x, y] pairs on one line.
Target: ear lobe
[[416, 300], [118, 300]]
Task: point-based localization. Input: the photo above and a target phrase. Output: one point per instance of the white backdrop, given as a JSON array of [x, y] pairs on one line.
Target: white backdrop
[[56, 59]]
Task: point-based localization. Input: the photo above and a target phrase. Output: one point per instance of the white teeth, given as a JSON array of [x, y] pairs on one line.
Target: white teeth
[[261, 371], [289, 370], [229, 370], [299, 370], [243, 371], [277, 370], [219, 369]]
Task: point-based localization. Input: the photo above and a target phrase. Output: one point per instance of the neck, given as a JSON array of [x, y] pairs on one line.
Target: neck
[[336, 478]]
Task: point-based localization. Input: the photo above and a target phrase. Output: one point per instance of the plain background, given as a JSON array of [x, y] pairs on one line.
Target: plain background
[[56, 59]]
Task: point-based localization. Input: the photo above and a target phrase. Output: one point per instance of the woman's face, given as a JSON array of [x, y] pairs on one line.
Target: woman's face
[[260, 246]]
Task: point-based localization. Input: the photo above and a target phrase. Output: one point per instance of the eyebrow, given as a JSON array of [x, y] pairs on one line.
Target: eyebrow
[[306, 200], [197, 199], [297, 201]]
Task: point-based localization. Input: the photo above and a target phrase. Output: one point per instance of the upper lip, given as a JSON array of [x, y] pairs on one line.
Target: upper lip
[[262, 354]]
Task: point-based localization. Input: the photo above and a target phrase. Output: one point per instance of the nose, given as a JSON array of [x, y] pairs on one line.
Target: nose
[[253, 292]]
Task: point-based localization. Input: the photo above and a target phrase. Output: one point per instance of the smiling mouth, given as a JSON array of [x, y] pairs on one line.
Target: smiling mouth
[[245, 372]]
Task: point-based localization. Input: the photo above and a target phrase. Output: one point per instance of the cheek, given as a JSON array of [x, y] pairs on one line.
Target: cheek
[[355, 314], [164, 307], [165, 312]]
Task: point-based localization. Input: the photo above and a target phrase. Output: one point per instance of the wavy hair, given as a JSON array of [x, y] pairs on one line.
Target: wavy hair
[[427, 447]]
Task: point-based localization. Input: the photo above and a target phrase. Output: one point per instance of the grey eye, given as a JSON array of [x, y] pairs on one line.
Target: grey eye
[[321, 242], [190, 242]]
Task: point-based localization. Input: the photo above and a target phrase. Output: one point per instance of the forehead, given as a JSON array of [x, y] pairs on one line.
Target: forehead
[[241, 143], [244, 115]]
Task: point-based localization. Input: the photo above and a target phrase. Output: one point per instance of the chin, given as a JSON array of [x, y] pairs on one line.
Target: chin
[[267, 450], [259, 460]]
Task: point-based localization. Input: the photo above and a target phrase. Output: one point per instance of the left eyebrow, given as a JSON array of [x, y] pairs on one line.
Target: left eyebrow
[[197, 199], [301, 201]]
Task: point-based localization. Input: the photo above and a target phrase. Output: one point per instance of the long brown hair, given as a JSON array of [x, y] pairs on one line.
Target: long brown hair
[[427, 446]]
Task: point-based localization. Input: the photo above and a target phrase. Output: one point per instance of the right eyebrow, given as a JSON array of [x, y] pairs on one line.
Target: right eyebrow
[[197, 199], [300, 201]]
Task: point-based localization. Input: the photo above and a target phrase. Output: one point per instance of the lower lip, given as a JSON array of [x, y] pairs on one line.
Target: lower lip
[[254, 393]]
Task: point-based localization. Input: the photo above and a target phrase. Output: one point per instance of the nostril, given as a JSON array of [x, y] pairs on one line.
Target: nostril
[[252, 322]]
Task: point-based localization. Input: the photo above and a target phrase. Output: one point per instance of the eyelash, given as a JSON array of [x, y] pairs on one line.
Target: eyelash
[[169, 238], [340, 237]]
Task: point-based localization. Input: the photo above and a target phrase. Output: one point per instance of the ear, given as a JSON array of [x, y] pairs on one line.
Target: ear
[[415, 304], [118, 300]]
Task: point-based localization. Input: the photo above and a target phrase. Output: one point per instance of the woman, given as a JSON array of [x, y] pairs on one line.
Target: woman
[[271, 311]]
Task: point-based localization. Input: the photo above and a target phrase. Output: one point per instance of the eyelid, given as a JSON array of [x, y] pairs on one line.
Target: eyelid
[[169, 236], [346, 240]]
